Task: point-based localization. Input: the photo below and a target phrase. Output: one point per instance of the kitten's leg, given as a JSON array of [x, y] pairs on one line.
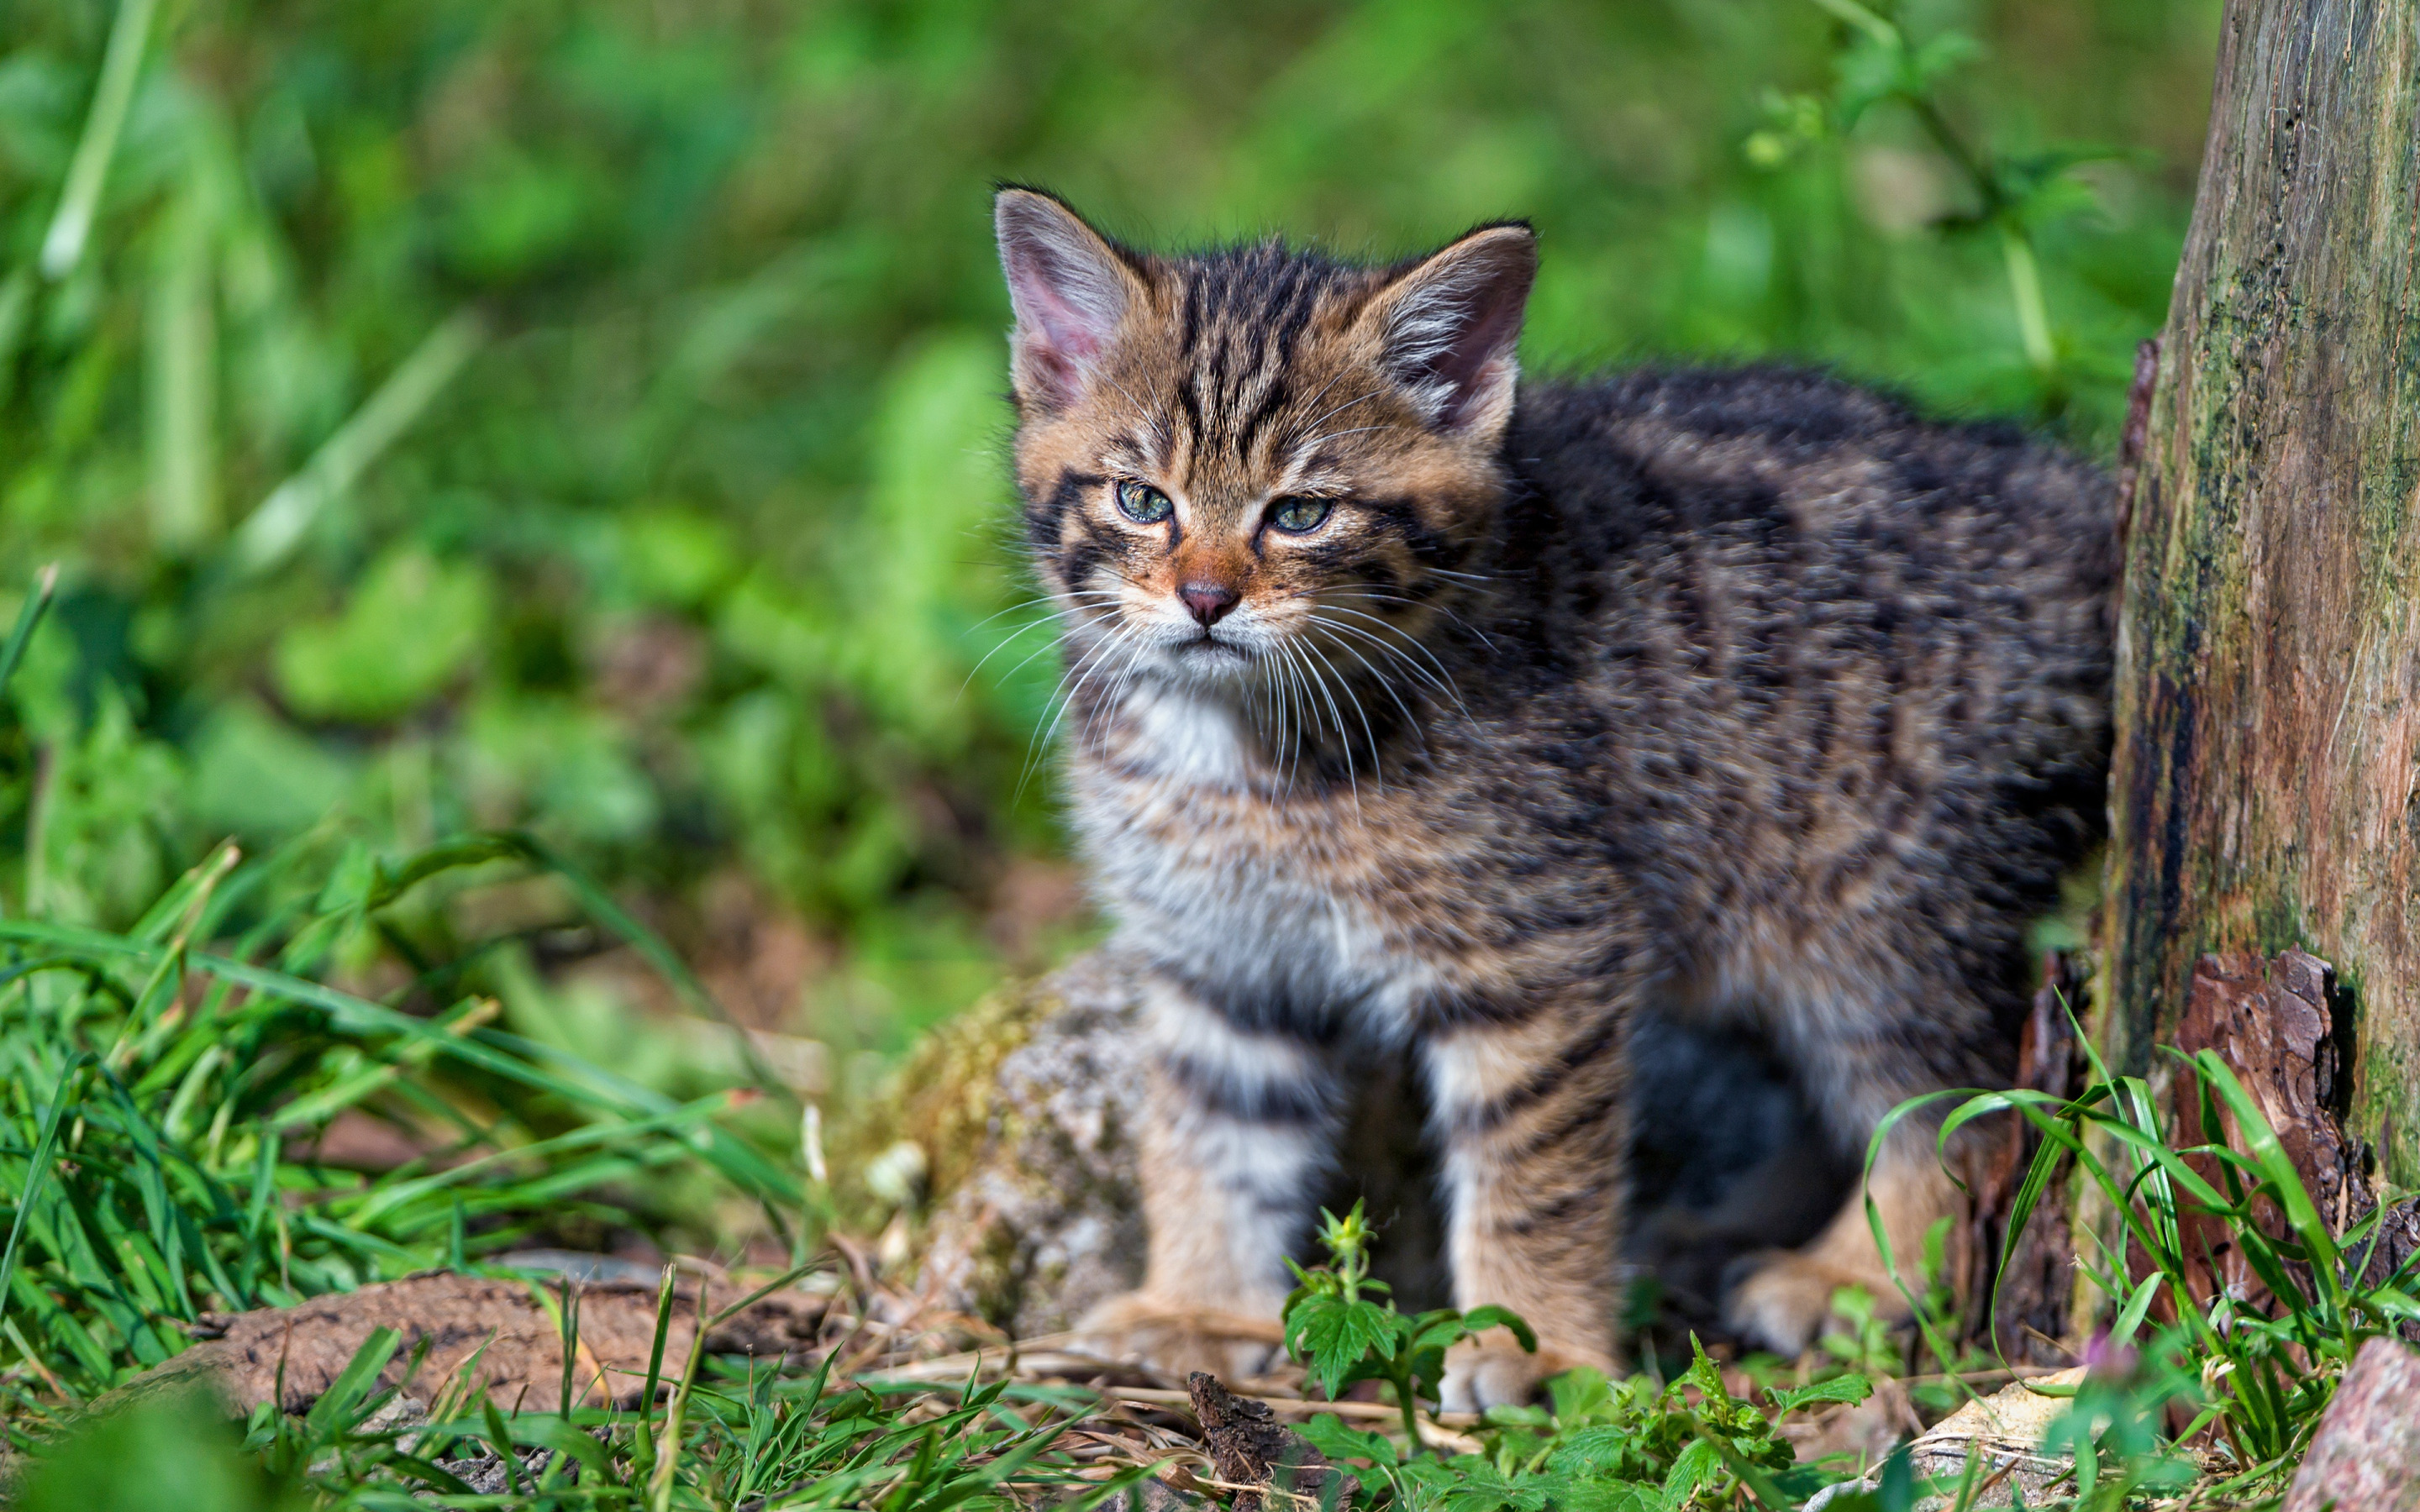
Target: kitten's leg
[[1855, 1078], [1241, 1125], [1530, 1116]]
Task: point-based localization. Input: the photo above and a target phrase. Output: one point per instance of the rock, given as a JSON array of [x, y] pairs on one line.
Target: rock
[[2005, 1430], [2366, 1453], [1028, 1106]]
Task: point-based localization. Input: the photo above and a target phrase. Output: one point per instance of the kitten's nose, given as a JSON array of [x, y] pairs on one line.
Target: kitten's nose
[[1208, 602]]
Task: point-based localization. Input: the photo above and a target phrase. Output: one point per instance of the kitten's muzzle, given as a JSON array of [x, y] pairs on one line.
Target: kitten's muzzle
[[1208, 602]]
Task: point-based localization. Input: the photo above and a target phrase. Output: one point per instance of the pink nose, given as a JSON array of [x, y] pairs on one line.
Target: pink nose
[[1208, 602]]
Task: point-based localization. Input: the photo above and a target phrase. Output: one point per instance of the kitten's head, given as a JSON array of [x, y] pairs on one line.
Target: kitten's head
[[1258, 459]]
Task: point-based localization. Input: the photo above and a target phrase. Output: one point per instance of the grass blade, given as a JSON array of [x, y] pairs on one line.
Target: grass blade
[[36, 1175], [2261, 1142], [46, 583], [279, 523], [120, 66]]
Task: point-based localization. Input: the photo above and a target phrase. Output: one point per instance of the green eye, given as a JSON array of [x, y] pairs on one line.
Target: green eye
[[1300, 517], [1142, 503]]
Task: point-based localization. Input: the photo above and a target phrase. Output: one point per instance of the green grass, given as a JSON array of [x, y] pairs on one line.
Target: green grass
[[2253, 1373]]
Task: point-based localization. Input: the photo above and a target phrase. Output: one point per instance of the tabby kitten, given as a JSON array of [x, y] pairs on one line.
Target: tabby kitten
[[1413, 702]]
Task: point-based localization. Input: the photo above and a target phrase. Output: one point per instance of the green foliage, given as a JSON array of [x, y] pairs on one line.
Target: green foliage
[[2250, 1377], [2014, 195], [412, 625], [1631, 1445], [1344, 1336], [173, 1449], [162, 1087], [162, 1084]]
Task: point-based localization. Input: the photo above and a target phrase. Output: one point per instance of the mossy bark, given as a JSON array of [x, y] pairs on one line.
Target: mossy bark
[[2269, 660]]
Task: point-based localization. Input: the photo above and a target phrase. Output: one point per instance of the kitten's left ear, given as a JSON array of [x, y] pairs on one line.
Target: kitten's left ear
[[1448, 324]]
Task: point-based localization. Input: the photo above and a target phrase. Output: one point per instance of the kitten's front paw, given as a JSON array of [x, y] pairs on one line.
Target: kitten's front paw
[[1494, 1369], [1177, 1338], [1785, 1302], [1481, 1373]]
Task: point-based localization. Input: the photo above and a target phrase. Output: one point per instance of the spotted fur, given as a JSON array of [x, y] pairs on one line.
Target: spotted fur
[[1744, 693]]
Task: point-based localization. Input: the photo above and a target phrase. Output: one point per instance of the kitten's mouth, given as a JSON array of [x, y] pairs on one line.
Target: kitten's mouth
[[1206, 644]]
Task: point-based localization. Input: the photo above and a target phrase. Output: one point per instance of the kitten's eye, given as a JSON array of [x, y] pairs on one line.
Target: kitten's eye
[[1300, 517], [1142, 503]]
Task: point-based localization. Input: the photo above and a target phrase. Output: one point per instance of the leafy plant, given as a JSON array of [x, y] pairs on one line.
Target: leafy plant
[[1339, 1322], [1627, 1446], [2012, 196], [1599, 1443]]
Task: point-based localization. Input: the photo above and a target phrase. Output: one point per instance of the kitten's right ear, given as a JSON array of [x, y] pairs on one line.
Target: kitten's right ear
[[1069, 287]]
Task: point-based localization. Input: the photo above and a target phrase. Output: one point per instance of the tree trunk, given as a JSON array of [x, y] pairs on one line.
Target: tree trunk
[[2268, 697]]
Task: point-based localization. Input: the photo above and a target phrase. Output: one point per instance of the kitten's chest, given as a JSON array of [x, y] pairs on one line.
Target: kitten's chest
[[1300, 895]]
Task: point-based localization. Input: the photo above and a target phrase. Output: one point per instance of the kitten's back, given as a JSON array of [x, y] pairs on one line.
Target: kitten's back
[[1847, 659]]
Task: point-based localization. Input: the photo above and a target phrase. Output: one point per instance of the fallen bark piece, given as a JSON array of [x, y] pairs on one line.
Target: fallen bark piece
[[2365, 1455], [1251, 1448], [2003, 1431], [498, 1333]]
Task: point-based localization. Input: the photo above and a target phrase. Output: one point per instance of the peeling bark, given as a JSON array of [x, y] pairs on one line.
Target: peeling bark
[[2270, 1020], [1253, 1449]]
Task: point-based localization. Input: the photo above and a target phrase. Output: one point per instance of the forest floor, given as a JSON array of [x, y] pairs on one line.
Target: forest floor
[[190, 1282]]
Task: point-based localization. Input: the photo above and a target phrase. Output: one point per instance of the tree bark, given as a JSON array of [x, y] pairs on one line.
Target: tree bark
[[2268, 695]]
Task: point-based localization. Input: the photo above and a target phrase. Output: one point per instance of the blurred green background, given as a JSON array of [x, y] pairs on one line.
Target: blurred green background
[[588, 416]]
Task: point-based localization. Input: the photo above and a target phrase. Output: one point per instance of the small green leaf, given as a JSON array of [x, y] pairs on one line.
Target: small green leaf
[[1329, 1434], [1336, 1337], [1480, 1319], [1704, 1374], [1850, 1388], [1693, 1468]]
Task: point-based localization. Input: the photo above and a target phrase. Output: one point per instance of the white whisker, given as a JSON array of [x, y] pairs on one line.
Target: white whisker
[[1442, 680], [1411, 720], [1378, 773]]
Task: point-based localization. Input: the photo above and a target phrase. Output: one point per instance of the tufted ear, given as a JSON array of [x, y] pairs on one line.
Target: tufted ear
[[1069, 287], [1447, 326]]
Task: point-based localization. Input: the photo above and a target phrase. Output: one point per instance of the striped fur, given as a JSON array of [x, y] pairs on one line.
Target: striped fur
[[1744, 693]]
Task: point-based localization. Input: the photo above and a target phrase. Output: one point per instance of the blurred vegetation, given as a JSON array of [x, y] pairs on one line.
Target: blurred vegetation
[[587, 417]]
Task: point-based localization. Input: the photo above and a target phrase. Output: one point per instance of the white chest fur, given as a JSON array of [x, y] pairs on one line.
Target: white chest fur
[[1204, 868]]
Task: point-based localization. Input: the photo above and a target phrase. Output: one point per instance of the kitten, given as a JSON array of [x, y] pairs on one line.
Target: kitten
[[1410, 700]]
